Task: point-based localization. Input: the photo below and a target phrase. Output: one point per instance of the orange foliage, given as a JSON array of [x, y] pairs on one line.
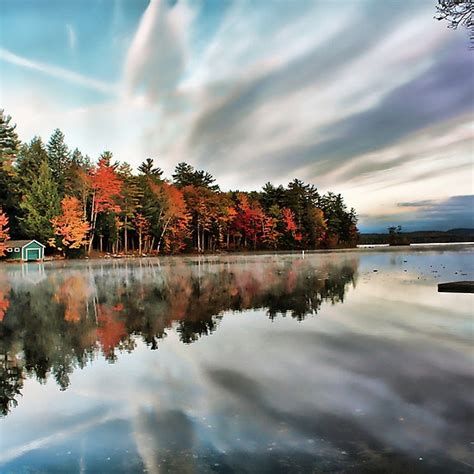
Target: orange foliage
[[175, 218], [270, 232], [73, 293], [289, 220], [4, 235], [110, 330], [107, 186], [4, 298], [70, 225], [141, 224]]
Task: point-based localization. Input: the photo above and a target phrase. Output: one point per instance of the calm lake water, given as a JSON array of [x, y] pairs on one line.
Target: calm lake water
[[260, 363]]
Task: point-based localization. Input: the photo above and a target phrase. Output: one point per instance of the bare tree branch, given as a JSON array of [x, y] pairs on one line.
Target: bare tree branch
[[457, 12]]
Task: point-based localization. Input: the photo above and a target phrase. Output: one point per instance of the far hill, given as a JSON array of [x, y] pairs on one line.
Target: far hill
[[421, 237]]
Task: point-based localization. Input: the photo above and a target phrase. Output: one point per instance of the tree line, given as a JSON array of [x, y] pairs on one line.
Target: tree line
[[65, 200]]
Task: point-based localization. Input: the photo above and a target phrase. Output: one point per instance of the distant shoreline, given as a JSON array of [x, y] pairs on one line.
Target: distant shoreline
[[363, 248]]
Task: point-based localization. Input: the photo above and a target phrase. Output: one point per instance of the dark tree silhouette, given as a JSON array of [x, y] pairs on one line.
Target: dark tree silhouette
[[457, 12]]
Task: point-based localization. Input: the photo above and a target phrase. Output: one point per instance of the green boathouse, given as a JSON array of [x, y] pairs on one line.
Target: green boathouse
[[24, 250]]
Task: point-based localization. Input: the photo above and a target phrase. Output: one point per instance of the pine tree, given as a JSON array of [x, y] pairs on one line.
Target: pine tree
[[9, 142], [39, 206], [59, 159], [185, 175], [147, 168], [30, 159], [9, 186], [130, 200]]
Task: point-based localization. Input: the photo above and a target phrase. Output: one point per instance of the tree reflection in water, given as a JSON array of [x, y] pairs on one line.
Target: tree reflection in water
[[58, 322]]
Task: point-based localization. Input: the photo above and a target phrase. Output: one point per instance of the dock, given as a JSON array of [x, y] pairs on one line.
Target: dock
[[456, 287]]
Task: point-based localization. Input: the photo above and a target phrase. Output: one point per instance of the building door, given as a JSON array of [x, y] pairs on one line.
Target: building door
[[32, 254]]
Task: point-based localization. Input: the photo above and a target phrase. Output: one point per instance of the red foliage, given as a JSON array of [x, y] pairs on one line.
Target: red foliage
[[289, 220], [4, 298], [4, 235], [111, 330], [250, 219], [107, 186]]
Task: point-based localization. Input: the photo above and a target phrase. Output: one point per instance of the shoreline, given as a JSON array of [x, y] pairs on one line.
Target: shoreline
[[366, 248]]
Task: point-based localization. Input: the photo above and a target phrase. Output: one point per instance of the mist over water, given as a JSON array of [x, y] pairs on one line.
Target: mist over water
[[250, 363]]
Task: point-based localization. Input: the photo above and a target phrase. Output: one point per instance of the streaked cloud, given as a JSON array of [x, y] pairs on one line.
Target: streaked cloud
[[374, 100], [57, 72], [443, 214]]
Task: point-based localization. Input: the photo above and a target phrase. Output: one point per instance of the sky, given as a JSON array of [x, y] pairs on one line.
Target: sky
[[372, 99]]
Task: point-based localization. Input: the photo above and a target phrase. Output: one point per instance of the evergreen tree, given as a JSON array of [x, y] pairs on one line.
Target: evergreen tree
[[9, 186], [272, 196], [185, 175], [130, 200], [76, 183], [147, 168], [30, 159], [59, 159], [9, 142], [39, 205]]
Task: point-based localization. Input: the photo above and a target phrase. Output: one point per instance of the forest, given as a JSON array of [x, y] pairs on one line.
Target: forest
[[77, 206]]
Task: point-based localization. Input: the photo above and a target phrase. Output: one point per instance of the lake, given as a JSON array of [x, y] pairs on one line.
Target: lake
[[336, 362]]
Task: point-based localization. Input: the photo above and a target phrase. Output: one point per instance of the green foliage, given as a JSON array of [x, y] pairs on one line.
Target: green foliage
[[59, 159], [39, 205], [143, 211], [147, 168], [30, 159], [9, 185], [185, 175], [9, 142]]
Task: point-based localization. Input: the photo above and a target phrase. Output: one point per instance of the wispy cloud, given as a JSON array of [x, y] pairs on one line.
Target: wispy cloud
[[155, 61], [71, 36], [57, 72], [434, 214], [375, 102]]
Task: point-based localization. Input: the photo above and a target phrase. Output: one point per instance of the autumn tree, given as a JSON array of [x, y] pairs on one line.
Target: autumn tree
[[271, 234], [142, 227], [106, 186], [291, 228], [70, 226], [4, 232], [227, 221], [127, 210], [316, 227], [173, 218], [249, 221]]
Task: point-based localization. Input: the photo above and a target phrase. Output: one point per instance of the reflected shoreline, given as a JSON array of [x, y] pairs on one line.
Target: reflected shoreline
[[55, 320]]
